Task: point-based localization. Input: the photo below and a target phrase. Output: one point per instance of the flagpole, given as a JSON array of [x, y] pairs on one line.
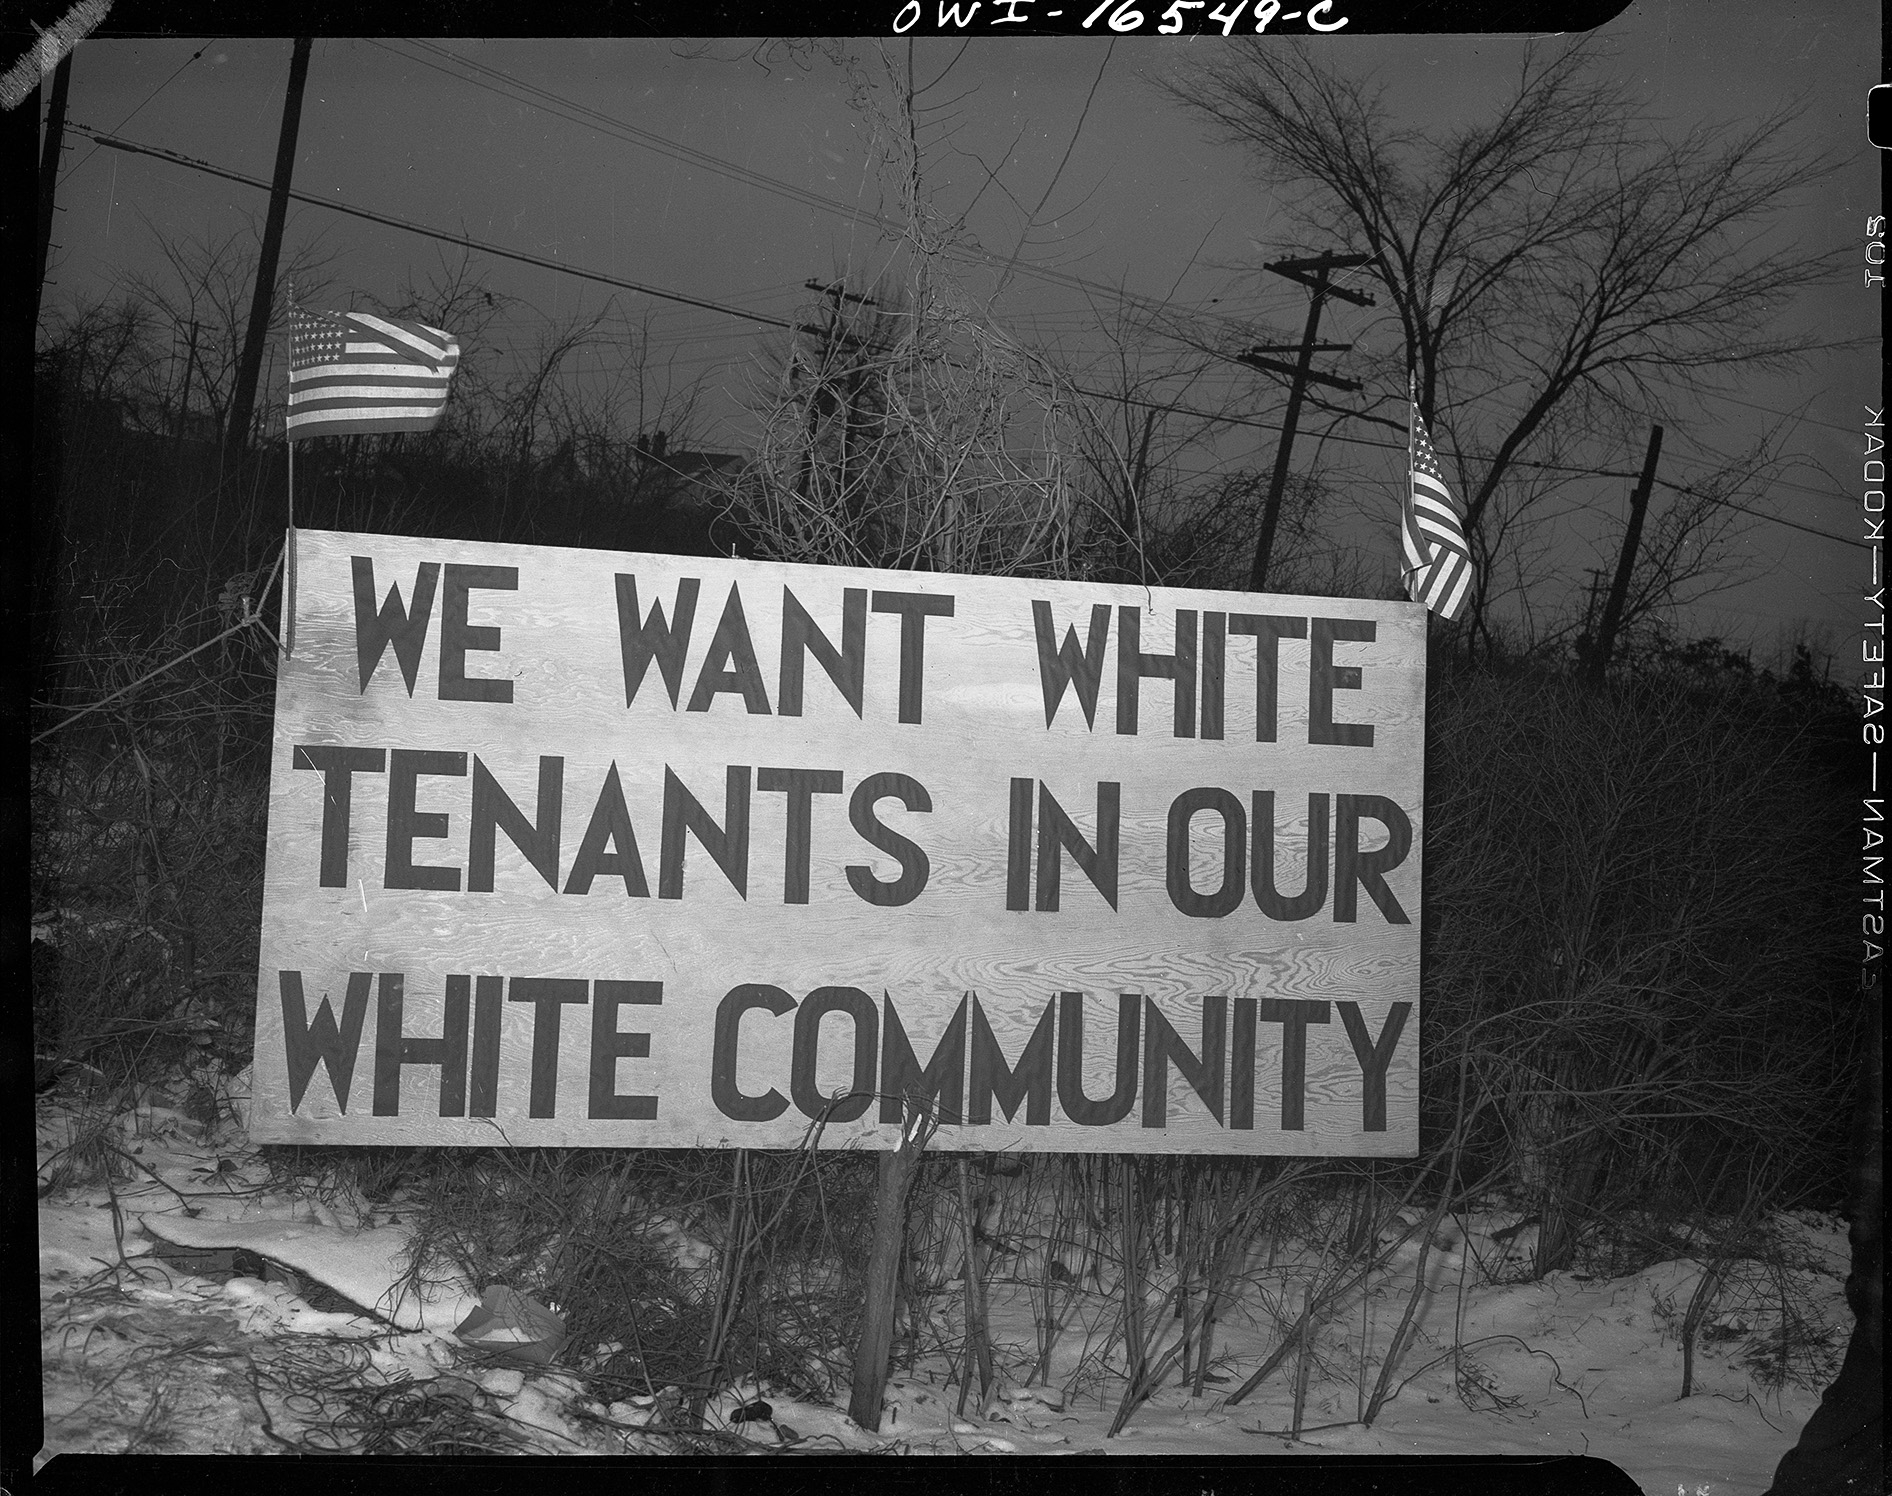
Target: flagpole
[[1407, 570], [289, 565], [289, 571]]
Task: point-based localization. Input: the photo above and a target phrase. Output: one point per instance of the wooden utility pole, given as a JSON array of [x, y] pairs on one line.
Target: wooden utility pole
[[1626, 562], [243, 402], [1314, 274], [49, 173]]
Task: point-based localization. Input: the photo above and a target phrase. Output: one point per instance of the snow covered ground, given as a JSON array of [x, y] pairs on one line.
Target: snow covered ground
[[142, 1354]]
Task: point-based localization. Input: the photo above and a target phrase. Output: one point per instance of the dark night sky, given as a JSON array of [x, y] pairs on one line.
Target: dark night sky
[[1140, 202]]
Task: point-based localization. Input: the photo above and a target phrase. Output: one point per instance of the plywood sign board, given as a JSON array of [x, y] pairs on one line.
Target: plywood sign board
[[588, 848]]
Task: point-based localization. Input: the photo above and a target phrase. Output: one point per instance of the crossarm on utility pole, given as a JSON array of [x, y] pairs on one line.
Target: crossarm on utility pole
[[1315, 274]]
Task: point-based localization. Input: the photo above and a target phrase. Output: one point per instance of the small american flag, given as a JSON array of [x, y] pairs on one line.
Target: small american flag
[[1438, 568], [353, 372]]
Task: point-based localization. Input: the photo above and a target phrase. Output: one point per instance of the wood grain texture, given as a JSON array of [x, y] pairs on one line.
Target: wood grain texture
[[555, 639]]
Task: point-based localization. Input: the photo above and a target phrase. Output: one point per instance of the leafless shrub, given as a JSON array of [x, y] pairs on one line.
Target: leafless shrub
[[1628, 943]]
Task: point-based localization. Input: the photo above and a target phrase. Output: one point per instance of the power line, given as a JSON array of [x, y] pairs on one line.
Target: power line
[[611, 125], [149, 97], [1772, 518], [177, 158], [520, 91], [1795, 416]]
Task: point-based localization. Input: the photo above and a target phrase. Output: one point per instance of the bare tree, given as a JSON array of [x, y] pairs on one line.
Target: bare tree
[[1561, 265], [550, 441], [202, 296], [1159, 501], [1630, 956], [914, 433], [107, 352]]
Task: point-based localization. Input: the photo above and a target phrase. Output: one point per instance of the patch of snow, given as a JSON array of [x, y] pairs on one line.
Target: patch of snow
[[1497, 1364], [367, 1266]]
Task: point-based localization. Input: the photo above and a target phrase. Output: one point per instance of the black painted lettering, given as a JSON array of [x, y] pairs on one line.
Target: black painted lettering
[[991, 1078], [308, 1042], [914, 609], [940, 1083], [403, 627], [1214, 673], [801, 786], [731, 1100], [1056, 830], [494, 811], [1354, 869], [609, 1045], [641, 640], [406, 824], [337, 767], [914, 864], [1134, 667], [854, 1101], [1241, 1076], [1018, 846], [1268, 897], [548, 996], [730, 666], [393, 1049], [610, 844], [846, 666], [1076, 1105], [1374, 1055], [457, 636], [1294, 1015], [483, 1079], [1064, 664], [1269, 629], [1182, 892], [1203, 1070], [1325, 677], [727, 844]]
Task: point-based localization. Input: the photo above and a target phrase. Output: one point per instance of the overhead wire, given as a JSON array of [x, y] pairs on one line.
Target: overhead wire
[[566, 268], [558, 104], [149, 97], [508, 85], [1786, 415], [466, 241]]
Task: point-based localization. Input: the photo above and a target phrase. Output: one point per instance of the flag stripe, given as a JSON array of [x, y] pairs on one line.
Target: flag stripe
[[1438, 570], [394, 410], [405, 337], [374, 356], [353, 383], [355, 372], [356, 423]]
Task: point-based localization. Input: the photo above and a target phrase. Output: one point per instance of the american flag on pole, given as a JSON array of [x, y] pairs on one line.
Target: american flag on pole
[[1438, 568], [354, 372]]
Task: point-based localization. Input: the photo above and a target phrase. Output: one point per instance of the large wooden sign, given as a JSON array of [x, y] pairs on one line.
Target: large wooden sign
[[577, 847]]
